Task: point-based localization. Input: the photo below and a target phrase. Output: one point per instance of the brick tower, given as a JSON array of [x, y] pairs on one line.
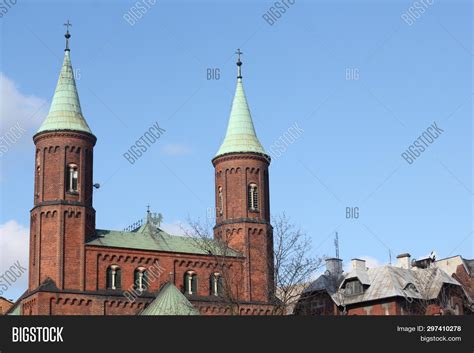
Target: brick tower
[[62, 217], [243, 200]]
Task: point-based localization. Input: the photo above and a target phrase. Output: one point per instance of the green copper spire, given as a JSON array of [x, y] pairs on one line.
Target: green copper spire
[[170, 301], [65, 112], [240, 135]]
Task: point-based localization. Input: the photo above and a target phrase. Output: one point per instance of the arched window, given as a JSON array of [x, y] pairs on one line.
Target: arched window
[[253, 197], [72, 176], [220, 201], [190, 283], [140, 280], [114, 278], [216, 284]]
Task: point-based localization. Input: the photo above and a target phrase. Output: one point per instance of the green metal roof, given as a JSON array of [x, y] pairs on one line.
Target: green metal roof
[[170, 301], [16, 311], [149, 237], [240, 135], [65, 112]]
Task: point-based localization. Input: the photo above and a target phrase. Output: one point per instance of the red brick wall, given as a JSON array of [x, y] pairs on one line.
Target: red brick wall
[[55, 150], [465, 279], [5, 305], [61, 221], [234, 173], [48, 243], [245, 230], [46, 303], [73, 249], [159, 266], [388, 307], [213, 309]]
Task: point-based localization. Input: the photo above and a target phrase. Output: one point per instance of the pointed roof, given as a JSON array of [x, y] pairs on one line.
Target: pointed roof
[[240, 135], [170, 301], [65, 112]]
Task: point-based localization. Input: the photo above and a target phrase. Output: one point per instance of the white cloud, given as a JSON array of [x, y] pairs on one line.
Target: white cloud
[[370, 262], [14, 246], [18, 108], [176, 149], [175, 228]]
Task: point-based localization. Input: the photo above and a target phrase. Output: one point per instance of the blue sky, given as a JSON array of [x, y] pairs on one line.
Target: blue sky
[[361, 82]]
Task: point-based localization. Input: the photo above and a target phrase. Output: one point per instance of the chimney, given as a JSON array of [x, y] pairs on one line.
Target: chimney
[[334, 266], [403, 261], [358, 265]]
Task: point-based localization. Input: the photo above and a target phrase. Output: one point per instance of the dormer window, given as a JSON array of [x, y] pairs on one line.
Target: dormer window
[[253, 197], [353, 287], [72, 176], [410, 287]]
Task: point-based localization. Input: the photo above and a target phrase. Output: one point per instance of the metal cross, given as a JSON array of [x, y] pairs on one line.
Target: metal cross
[[68, 24], [67, 35], [238, 52]]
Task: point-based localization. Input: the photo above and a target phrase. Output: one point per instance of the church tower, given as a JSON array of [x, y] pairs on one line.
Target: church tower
[[242, 198], [62, 217]]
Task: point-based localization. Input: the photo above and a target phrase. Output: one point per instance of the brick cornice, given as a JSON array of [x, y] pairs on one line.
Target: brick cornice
[[63, 203], [64, 133], [242, 220], [239, 156]]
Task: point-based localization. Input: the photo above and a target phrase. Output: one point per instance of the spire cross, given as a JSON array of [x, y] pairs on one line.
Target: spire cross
[[67, 35], [239, 63], [68, 24], [238, 52]]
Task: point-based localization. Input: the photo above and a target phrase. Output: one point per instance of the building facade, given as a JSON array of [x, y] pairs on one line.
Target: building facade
[[5, 305], [411, 287], [76, 269]]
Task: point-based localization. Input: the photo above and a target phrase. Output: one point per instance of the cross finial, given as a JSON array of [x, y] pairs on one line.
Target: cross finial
[[239, 63], [148, 214], [67, 35]]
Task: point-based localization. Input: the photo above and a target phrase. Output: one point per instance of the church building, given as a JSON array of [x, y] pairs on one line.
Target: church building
[[76, 269]]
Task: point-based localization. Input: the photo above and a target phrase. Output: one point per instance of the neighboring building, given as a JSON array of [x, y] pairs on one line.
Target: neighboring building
[[288, 297], [386, 290], [320, 296], [76, 269], [5, 305], [462, 270]]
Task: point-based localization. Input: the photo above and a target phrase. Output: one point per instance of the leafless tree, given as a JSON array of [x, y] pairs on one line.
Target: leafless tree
[[293, 263], [294, 268], [225, 264], [427, 300]]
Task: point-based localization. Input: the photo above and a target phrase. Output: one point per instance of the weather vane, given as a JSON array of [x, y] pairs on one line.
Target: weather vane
[[153, 217]]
